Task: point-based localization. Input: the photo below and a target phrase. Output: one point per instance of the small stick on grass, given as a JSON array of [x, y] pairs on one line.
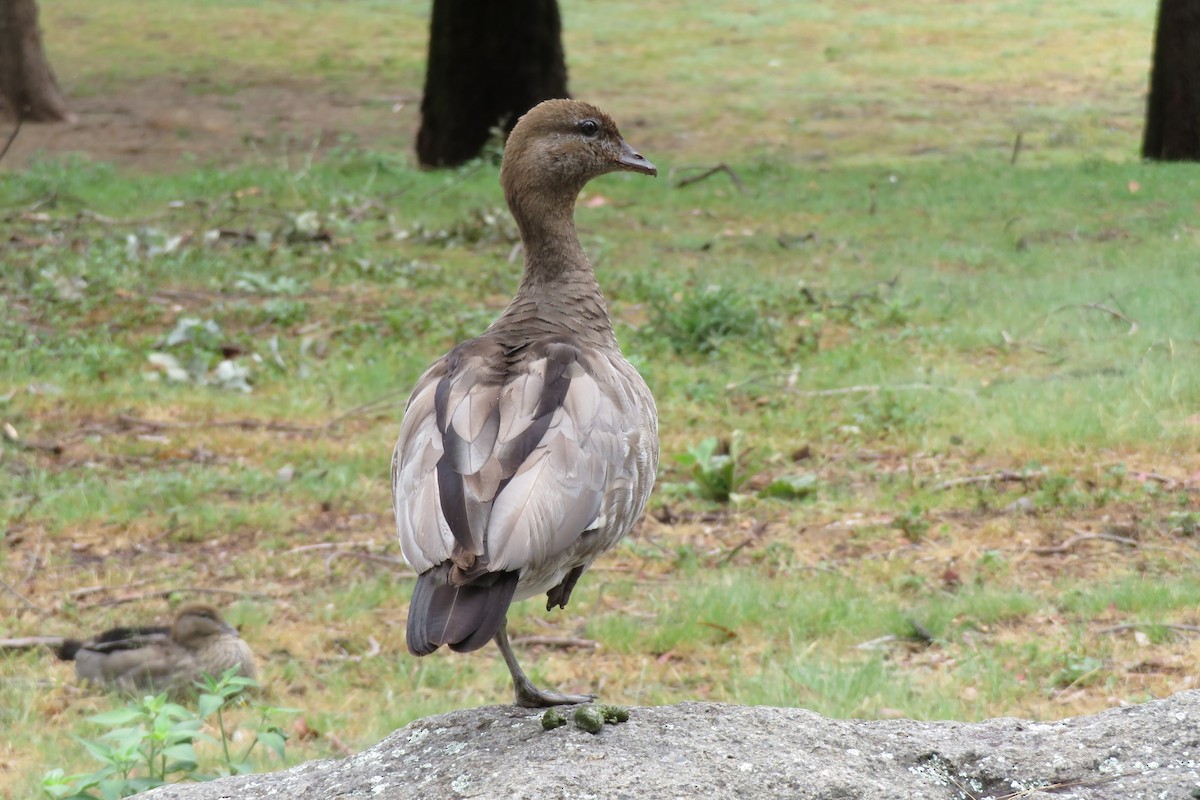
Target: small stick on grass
[[962, 788], [1055, 787], [1003, 476], [86, 590], [308, 548], [30, 642], [1132, 626], [25, 600], [730, 633], [1079, 538], [390, 560], [33, 557], [55, 448], [708, 172], [374, 648], [337, 744], [876, 388], [127, 421], [874, 644], [1165, 480], [382, 401], [165, 593], [12, 137], [564, 642], [1112, 312], [725, 559]]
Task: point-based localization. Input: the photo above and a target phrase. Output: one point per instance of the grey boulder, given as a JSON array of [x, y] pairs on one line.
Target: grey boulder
[[713, 752]]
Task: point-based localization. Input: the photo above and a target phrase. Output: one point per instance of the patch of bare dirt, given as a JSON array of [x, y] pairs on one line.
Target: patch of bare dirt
[[167, 124]]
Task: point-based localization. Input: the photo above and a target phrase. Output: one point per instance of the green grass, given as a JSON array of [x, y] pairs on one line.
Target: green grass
[[887, 306]]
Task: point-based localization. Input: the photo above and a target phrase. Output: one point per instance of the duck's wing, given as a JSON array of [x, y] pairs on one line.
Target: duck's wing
[[124, 638], [154, 665], [504, 461]]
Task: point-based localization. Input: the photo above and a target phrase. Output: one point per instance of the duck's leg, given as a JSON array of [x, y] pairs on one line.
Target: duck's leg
[[527, 694]]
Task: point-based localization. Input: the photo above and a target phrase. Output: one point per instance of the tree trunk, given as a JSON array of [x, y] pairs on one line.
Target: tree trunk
[[489, 63], [1173, 112], [28, 90]]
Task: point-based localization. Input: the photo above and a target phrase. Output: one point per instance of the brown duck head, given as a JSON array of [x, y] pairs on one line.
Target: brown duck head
[[197, 624], [559, 145]]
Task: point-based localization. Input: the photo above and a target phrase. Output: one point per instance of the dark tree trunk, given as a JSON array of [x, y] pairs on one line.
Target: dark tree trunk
[[28, 90], [1173, 112], [489, 63]]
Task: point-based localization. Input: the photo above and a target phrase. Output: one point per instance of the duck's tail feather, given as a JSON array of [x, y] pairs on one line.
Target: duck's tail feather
[[464, 617]]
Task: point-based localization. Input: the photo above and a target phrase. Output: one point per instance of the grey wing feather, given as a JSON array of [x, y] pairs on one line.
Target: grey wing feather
[[510, 466]]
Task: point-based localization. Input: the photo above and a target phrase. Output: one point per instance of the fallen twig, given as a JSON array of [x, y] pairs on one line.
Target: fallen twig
[[1112, 312], [127, 421], [370, 405], [55, 448], [337, 744], [707, 172], [12, 137], [920, 632], [373, 651], [1055, 787], [390, 560], [1130, 626], [33, 557], [1003, 476], [97, 589], [963, 789], [565, 642], [30, 642], [1078, 538], [165, 593], [730, 633], [725, 559], [20, 516], [25, 600], [307, 548], [876, 388], [874, 644], [1165, 480]]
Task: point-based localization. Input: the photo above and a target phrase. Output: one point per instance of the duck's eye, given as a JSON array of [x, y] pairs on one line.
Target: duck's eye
[[589, 127]]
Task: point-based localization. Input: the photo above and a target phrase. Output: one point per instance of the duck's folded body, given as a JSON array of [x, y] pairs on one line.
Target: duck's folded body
[[161, 659]]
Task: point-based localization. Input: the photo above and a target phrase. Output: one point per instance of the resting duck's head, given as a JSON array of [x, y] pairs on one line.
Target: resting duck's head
[[559, 145], [198, 623]]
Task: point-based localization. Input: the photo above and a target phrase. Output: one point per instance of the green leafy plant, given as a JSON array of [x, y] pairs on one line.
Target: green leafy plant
[[1078, 671], [796, 486], [1060, 491], [701, 320], [152, 742], [1185, 523], [717, 468], [913, 523]]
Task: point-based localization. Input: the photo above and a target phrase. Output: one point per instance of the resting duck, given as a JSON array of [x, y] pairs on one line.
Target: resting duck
[[528, 451], [160, 658]]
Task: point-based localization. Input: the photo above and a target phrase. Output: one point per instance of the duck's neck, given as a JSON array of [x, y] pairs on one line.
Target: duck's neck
[[558, 291]]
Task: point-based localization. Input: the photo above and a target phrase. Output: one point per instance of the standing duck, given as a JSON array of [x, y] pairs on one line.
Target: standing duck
[[159, 659], [529, 450]]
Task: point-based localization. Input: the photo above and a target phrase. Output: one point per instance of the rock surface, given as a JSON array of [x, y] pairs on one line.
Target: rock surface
[[711, 751]]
